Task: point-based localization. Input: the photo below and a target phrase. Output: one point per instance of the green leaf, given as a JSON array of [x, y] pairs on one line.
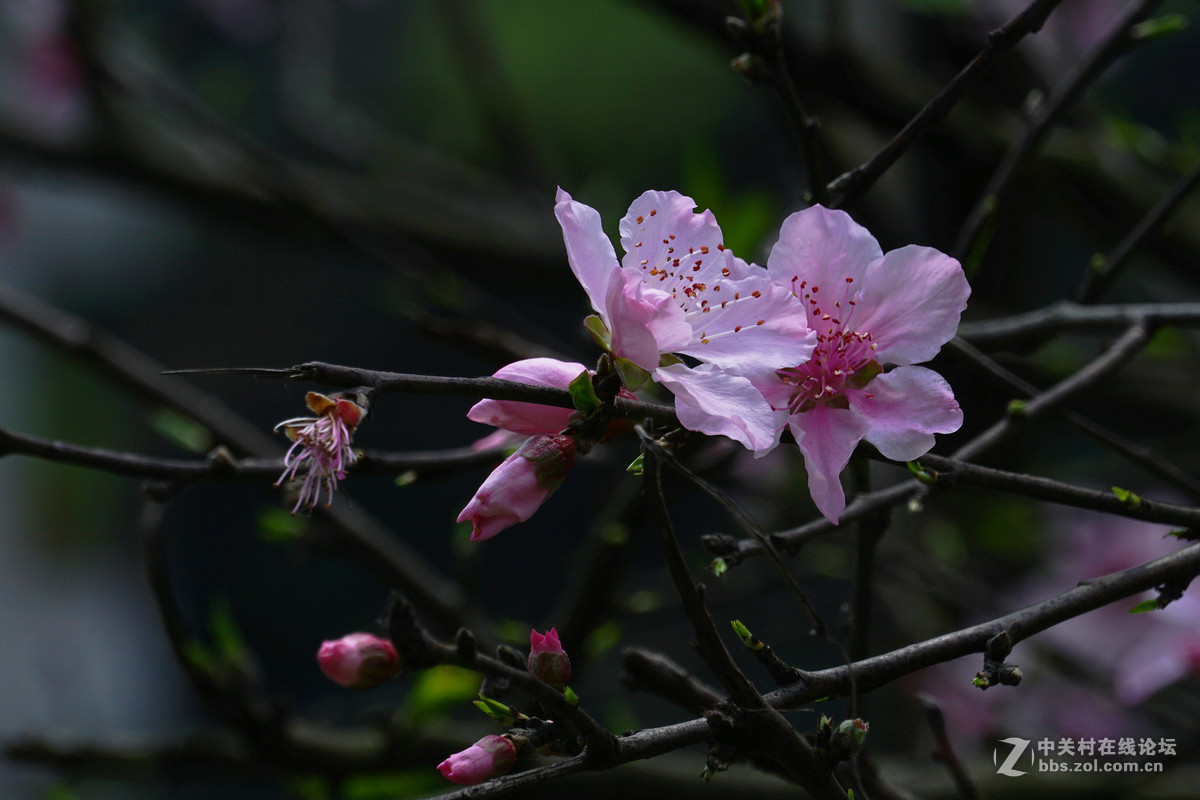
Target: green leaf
[[228, 641], [599, 331], [1146, 605], [181, 430], [1128, 498], [632, 376], [604, 638], [276, 525], [436, 691], [1016, 408], [572, 698], [718, 566], [583, 394], [748, 638], [638, 465], [1158, 27], [921, 473], [496, 710]]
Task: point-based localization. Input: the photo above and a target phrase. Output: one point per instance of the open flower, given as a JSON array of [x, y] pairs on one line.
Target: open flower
[[870, 310], [520, 485], [321, 446], [489, 757], [679, 290]]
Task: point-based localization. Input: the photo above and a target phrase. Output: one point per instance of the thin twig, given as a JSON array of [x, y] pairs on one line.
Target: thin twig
[[1114, 43], [1035, 327], [1102, 273], [846, 188], [1122, 350], [877, 671], [952, 471], [1138, 454]]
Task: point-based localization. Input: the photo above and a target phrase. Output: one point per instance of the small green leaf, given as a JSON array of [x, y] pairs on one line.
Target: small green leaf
[[229, 643], [496, 710], [1158, 27], [1128, 498], [604, 638], [921, 473], [632, 376], [1145, 606], [583, 394], [181, 430], [436, 691], [748, 638], [599, 331], [276, 525], [572, 698], [638, 465], [1016, 408], [718, 566]]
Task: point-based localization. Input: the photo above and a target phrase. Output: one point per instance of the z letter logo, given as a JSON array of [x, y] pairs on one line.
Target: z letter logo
[[1018, 747]]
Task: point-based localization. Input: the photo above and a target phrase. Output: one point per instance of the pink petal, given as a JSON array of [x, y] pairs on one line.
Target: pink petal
[[822, 247], [663, 226], [510, 494], [910, 302], [589, 252], [719, 403], [529, 418], [827, 436], [645, 322], [752, 325], [905, 408]]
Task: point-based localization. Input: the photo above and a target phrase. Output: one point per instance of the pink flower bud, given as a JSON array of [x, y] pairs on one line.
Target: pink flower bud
[[490, 757], [520, 485], [547, 660], [358, 660]]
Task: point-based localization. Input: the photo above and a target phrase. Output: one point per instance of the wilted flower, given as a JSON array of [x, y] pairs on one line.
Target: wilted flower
[[547, 659], [678, 290], [321, 446], [490, 757], [520, 485], [870, 310], [358, 660]]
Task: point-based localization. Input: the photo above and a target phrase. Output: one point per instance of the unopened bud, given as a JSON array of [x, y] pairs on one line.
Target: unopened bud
[[490, 757], [547, 660], [358, 660]]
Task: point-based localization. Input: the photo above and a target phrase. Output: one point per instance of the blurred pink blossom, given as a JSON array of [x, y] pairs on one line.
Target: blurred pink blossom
[[358, 660]]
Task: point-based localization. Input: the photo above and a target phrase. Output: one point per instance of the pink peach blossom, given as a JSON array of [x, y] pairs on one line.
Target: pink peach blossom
[[679, 290], [870, 310]]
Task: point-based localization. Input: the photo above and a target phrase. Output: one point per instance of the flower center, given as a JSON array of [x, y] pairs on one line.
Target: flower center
[[843, 359]]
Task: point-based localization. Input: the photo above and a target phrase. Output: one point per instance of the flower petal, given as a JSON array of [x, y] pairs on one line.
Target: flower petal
[[645, 322], [822, 247], [827, 436], [529, 418], [719, 403], [589, 252], [662, 231], [911, 301], [751, 326], [905, 408]]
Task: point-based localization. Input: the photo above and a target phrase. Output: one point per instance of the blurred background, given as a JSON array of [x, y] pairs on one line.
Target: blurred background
[[227, 183]]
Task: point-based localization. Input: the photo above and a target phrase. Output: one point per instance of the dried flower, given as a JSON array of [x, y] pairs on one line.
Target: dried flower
[[321, 446]]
